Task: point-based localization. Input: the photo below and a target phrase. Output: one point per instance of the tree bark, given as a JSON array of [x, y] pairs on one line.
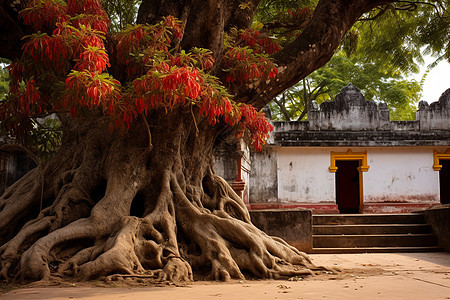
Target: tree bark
[[112, 206]]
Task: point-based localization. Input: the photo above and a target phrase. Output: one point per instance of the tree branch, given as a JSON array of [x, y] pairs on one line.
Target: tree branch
[[311, 50]]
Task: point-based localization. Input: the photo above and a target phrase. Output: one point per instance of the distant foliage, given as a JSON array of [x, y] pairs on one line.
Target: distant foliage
[[368, 57]]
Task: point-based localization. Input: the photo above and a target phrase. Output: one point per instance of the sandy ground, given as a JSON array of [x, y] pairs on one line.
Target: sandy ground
[[362, 276]]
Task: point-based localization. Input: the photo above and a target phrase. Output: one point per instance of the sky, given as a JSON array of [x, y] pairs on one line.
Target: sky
[[437, 81]]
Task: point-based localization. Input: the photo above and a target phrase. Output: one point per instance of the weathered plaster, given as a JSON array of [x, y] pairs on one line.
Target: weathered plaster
[[401, 174]]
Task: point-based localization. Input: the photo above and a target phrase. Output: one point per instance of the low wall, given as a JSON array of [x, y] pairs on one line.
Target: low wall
[[439, 219], [292, 225]]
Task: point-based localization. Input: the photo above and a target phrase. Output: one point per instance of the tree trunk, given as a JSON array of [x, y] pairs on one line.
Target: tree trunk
[[113, 206]]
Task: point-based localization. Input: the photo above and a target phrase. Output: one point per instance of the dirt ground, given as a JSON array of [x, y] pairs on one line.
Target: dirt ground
[[359, 276]]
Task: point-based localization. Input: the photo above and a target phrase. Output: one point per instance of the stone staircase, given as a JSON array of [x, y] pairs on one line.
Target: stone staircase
[[372, 233]]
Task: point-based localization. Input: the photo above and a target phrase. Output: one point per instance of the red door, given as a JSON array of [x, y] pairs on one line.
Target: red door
[[347, 186], [444, 181]]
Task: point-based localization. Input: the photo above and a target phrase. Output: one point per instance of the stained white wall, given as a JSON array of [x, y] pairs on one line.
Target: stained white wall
[[395, 174], [303, 175], [401, 174]]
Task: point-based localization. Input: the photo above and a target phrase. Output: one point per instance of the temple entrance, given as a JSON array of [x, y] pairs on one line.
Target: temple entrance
[[348, 186], [444, 181]]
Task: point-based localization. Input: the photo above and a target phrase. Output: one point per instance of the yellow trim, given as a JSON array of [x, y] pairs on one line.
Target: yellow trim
[[437, 156], [361, 192], [349, 155], [363, 167]]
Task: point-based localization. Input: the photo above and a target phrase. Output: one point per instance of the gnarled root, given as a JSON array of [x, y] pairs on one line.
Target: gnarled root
[[119, 210], [165, 244], [230, 246]]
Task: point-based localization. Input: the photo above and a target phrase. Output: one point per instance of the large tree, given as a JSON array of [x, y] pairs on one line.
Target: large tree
[[132, 189]]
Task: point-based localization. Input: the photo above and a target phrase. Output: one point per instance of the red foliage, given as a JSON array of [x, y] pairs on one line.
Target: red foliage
[[198, 58], [257, 125], [92, 59], [214, 108], [259, 43], [157, 78], [175, 26], [49, 52], [44, 14], [87, 7], [139, 45], [97, 22], [244, 64], [83, 38], [90, 90], [184, 79], [15, 72]]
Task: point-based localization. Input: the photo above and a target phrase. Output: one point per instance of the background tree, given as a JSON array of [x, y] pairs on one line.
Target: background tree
[[4, 78], [377, 55], [399, 93], [132, 189]]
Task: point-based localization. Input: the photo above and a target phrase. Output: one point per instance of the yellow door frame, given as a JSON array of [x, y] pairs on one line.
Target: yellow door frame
[[437, 156], [363, 167]]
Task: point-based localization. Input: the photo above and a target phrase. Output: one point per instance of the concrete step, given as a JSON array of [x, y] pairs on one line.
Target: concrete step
[[371, 229], [381, 240], [360, 233], [377, 250], [351, 219]]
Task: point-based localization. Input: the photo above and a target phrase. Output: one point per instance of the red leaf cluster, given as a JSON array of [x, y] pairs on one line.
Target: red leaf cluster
[[44, 14], [138, 45], [214, 108], [96, 22], [87, 7], [92, 59], [257, 125], [49, 52], [91, 90], [184, 80], [258, 42], [244, 64]]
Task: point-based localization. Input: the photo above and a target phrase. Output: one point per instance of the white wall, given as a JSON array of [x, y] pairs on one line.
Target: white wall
[[395, 174], [303, 175], [401, 174]]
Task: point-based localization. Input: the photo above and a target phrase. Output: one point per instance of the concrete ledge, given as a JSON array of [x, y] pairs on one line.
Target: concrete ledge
[[397, 208], [439, 219], [329, 208], [318, 208], [292, 225]]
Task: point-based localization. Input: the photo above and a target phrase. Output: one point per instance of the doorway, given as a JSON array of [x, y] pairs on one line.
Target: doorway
[[444, 181], [348, 186]]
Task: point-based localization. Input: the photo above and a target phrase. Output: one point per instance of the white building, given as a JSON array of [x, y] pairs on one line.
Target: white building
[[350, 158]]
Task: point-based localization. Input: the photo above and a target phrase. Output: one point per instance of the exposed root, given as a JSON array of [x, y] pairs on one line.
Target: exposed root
[[117, 256], [114, 209], [175, 270], [28, 191], [230, 245], [34, 263]]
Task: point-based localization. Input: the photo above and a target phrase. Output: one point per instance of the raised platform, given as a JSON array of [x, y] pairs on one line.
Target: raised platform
[[329, 208]]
